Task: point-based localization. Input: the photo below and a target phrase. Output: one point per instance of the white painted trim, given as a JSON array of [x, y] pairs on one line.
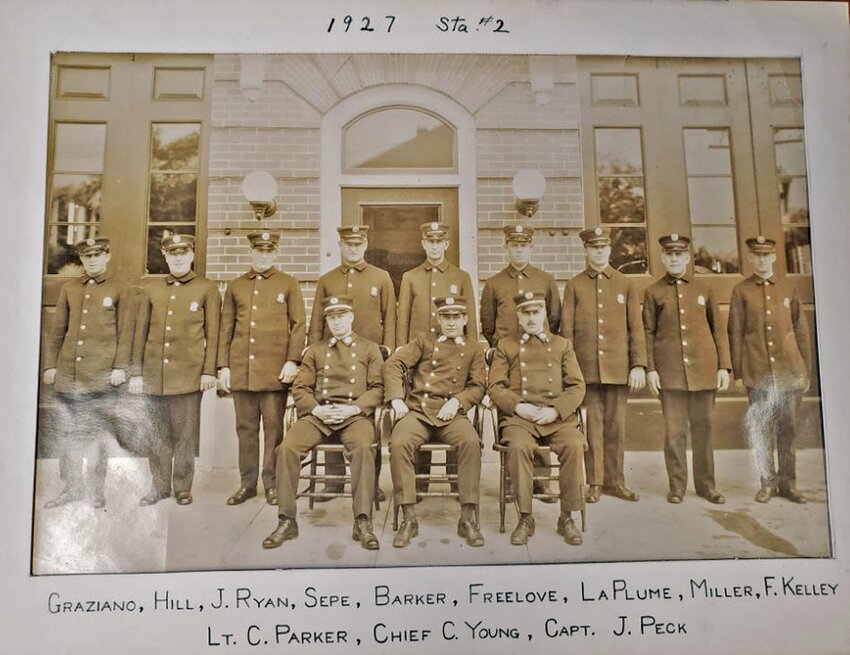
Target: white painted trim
[[332, 179]]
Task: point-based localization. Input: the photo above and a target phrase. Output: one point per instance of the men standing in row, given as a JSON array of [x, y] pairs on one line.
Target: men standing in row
[[174, 362], [373, 300], [688, 362], [447, 379], [259, 349], [771, 358], [337, 388], [87, 354], [602, 318], [498, 312], [536, 383]]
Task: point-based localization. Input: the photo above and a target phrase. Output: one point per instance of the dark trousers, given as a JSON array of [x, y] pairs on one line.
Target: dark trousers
[[89, 420], [357, 437], [682, 408], [606, 433], [772, 424], [172, 454], [414, 430], [568, 445], [251, 406]]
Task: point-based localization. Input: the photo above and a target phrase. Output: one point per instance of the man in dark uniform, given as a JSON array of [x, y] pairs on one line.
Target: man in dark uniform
[[447, 379], [602, 319], [336, 391], [688, 362], [259, 348], [536, 383], [86, 359], [373, 295], [174, 353], [771, 358], [498, 312]]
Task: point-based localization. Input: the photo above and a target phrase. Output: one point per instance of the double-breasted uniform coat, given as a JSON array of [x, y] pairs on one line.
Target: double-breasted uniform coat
[[498, 311]]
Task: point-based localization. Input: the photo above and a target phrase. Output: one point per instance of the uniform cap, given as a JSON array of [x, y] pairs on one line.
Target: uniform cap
[[528, 298], [761, 244], [337, 303], [522, 233], [434, 229], [595, 236], [92, 245], [675, 242], [354, 233], [263, 239], [450, 304], [177, 242]]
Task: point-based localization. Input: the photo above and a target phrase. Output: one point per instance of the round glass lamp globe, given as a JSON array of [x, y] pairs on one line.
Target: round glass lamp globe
[[529, 184], [259, 186]]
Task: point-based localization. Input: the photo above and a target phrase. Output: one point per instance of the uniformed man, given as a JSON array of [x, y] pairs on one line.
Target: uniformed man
[[373, 297], [536, 383], [498, 312], [259, 348], [336, 391], [447, 379], [688, 362], [602, 319], [87, 355], [434, 278], [771, 358], [174, 362]]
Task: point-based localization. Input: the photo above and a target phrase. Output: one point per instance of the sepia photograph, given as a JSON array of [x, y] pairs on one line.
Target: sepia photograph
[[382, 310]]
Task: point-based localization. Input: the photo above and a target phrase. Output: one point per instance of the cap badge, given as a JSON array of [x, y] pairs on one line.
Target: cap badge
[[529, 295], [450, 301], [334, 300], [760, 238], [435, 226], [674, 237], [265, 236], [90, 242], [519, 229], [355, 229], [598, 231]]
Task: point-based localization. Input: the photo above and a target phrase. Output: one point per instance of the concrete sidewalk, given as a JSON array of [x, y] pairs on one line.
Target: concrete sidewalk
[[208, 534]]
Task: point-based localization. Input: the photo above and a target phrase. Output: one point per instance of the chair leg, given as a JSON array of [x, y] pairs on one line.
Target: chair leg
[[583, 520], [502, 491], [311, 487], [377, 477], [395, 515]]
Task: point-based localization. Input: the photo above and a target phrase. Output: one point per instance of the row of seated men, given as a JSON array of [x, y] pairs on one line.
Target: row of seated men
[[176, 341]]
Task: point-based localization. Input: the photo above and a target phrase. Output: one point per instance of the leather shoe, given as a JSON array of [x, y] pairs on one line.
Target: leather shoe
[[362, 532], [286, 529], [467, 529], [271, 496], [98, 500], [765, 493], [713, 496], [544, 488], [407, 531], [593, 493], [153, 497], [523, 530], [619, 491], [792, 494], [330, 488], [675, 496], [183, 498], [62, 499], [568, 530], [242, 494]]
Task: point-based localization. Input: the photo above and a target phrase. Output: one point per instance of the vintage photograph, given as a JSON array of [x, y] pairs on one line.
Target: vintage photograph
[[367, 310]]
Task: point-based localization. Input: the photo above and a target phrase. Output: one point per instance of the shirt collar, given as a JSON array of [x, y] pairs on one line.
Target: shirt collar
[[348, 341], [457, 340], [84, 278], [170, 279], [540, 335], [359, 266], [592, 272], [252, 274], [515, 273], [442, 266], [672, 280], [758, 279]]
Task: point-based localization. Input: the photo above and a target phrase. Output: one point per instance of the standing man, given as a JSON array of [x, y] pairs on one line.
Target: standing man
[[602, 319], [771, 358], [373, 299], [336, 391], [536, 383], [259, 348], [86, 360], [448, 379], [174, 353], [688, 361]]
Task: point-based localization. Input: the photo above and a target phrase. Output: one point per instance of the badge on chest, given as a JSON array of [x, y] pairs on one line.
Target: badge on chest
[[193, 307]]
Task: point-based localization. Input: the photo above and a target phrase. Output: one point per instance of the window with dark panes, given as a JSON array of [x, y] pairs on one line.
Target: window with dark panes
[[621, 193], [75, 193], [711, 200], [173, 186], [789, 147]]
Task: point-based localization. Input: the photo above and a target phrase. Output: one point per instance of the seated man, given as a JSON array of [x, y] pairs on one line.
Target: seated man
[[536, 383], [447, 380], [336, 390]]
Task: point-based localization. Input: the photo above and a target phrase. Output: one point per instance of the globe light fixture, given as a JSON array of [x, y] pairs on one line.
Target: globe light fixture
[[260, 190], [528, 186]]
